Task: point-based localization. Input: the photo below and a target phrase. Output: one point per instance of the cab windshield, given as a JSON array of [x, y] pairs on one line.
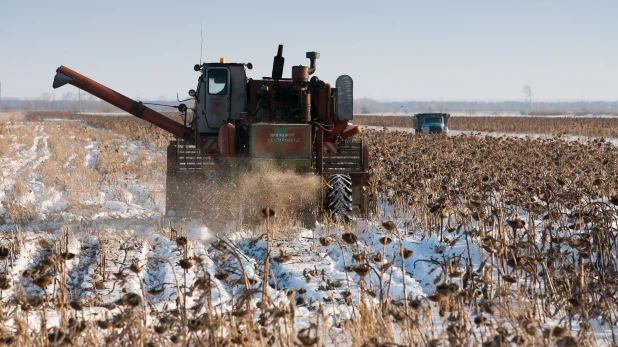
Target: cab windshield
[[217, 81], [433, 120]]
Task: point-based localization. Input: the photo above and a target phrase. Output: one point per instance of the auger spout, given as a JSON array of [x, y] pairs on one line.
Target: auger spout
[[64, 75]]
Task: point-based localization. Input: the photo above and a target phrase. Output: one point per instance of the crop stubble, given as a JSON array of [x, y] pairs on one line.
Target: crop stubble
[[539, 214]]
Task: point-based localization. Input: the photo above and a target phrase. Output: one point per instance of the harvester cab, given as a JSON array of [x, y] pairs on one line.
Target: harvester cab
[[299, 124], [220, 95]]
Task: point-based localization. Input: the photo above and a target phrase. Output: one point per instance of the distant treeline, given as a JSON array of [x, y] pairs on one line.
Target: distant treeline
[[369, 106], [70, 102]]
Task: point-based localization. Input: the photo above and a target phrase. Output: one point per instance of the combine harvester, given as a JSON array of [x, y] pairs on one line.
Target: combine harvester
[[238, 123]]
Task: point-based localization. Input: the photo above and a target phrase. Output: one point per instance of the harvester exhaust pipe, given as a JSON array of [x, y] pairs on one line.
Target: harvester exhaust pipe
[[278, 64], [65, 75], [312, 57]]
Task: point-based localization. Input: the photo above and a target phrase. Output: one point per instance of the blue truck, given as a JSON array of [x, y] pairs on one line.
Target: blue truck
[[431, 123]]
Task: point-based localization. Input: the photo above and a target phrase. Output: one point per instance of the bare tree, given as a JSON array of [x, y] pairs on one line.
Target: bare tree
[[91, 102], [45, 101], [68, 101], [444, 107], [528, 93], [105, 107]]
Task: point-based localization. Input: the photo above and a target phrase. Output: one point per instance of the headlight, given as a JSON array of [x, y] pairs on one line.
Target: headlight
[[425, 129]]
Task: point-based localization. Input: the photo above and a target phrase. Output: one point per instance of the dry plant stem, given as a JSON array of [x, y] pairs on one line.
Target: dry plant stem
[[233, 251], [265, 297], [403, 269], [347, 277], [560, 264], [178, 292]]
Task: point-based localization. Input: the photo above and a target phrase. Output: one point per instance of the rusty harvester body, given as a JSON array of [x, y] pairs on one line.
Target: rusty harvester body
[[299, 123]]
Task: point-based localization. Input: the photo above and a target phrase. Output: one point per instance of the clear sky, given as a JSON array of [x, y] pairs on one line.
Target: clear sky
[[394, 49]]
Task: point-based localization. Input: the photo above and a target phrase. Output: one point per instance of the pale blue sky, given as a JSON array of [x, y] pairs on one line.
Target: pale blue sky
[[394, 50]]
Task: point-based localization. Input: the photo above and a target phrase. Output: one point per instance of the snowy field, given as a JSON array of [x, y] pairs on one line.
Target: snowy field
[[84, 242], [96, 198]]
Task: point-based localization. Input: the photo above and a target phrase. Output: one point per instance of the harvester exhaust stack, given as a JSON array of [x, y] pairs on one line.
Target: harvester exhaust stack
[[278, 63]]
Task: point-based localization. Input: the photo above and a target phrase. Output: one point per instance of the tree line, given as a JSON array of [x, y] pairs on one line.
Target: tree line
[[74, 102], [370, 106]]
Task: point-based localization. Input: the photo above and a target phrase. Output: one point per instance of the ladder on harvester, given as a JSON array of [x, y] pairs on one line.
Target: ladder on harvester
[[190, 158], [348, 159]]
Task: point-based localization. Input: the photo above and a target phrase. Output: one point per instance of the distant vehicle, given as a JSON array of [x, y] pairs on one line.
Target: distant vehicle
[[431, 123]]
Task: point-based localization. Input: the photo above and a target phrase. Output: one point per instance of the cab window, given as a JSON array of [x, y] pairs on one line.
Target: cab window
[[433, 120], [217, 81]]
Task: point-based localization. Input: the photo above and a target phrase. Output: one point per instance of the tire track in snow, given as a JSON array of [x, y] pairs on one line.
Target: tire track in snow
[[70, 164], [38, 261], [85, 265], [16, 167], [46, 198], [28, 250]]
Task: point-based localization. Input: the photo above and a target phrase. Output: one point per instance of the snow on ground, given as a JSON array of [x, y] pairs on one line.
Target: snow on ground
[[122, 225], [121, 229]]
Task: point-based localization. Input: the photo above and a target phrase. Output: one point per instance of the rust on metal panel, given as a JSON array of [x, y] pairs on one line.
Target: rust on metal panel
[[319, 165], [172, 157], [277, 95], [210, 146], [300, 73], [218, 107], [304, 107], [322, 101], [342, 130], [280, 141]]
